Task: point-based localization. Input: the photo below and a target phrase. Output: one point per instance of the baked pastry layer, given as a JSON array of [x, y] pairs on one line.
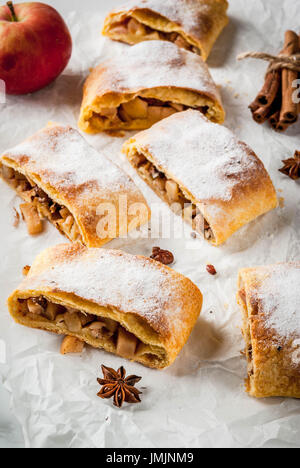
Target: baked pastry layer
[[192, 24], [68, 182], [204, 171], [144, 84], [128, 305], [270, 304]]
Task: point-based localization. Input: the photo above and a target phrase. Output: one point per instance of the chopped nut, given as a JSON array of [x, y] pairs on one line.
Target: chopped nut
[[71, 344], [32, 219], [126, 344], [162, 256], [211, 270], [26, 270]]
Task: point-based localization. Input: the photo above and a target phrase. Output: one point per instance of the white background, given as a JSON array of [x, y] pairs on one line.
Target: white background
[[47, 400]]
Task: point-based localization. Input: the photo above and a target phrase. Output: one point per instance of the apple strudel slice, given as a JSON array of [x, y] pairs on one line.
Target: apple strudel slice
[[202, 170], [193, 25], [270, 303], [144, 84], [63, 179], [128, 305]]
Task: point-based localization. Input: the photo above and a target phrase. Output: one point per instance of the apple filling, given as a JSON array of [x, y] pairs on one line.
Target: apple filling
[[135, 31], [170, 192], [39, 206], [144, 111], [102, 331]]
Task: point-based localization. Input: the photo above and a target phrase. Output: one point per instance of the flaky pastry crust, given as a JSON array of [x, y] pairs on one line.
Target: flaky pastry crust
[[188, 160], [144, 84], [191, 24], [68, 181], [271, 329], [139, 297]]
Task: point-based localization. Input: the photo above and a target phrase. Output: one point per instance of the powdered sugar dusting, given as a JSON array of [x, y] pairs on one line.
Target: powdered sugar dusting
[[186, 13], [206, 158], [152, 64], [116, 279], [63, 158], [279, 296]]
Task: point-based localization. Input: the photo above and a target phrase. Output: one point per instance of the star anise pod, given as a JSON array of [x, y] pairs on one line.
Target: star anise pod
[[291, 166], [114, 384], [162, 256]]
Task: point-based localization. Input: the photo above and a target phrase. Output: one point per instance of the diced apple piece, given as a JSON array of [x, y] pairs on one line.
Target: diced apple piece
[[181, 42], [75, 234], [177, 107], [136, 109], [172, 191], [127, 344], [8, 172], [156, 113], [189, 212], [64, 212], [32, 219], [138, 160], [72, 322], [95, 329], [120, 30], [51, 311], [71, 344], [35, 308], [123, 114], [159, 184], [110, 112], [136, 28]]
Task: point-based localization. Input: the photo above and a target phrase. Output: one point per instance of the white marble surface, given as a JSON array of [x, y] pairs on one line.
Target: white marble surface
[[47, 400]]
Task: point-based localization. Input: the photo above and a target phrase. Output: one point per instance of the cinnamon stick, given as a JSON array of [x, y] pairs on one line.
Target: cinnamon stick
[[289, 109], [267, 103], [274, 119], [270, 88]]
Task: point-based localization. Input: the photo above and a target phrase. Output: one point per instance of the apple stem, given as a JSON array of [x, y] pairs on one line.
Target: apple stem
[[12, 10]]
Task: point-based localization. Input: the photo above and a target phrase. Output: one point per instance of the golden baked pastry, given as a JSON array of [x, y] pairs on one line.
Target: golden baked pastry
[[63, 179], [270, 303], [144, 84], [192, 24], [128, 305], [202, 170]]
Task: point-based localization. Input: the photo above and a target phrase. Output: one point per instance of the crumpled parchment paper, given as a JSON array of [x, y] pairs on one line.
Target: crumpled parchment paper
[[200, 400]]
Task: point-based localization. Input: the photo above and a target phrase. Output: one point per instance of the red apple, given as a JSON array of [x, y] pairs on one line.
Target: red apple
[[35, 46]]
